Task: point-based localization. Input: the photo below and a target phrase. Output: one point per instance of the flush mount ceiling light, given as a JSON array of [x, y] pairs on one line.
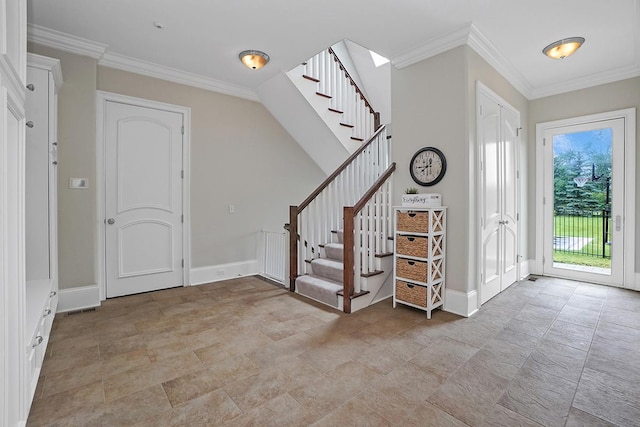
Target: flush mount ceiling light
[[563, 48], [254, 59]]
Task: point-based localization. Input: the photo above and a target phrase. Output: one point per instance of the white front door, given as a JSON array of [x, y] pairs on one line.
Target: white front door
[[584, 178], [498, 152], [143, 199]]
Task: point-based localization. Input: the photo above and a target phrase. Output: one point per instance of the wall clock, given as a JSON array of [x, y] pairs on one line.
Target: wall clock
[[428, 166]]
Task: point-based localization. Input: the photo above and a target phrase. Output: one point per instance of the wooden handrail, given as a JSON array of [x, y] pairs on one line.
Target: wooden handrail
[[337, 172], [353, 82], [350, 213], [374, 188]]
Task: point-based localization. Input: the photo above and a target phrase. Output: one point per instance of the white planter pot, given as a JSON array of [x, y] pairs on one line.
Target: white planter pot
[[422, 200]]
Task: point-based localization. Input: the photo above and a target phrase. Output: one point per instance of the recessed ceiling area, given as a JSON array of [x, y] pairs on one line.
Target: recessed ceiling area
[[204, 38]]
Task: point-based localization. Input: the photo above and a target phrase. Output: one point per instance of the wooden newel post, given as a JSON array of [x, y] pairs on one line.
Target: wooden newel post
[[293, 247], [348, 243]]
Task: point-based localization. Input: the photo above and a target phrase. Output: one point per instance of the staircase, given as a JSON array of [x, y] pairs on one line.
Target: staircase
[[340, 235]]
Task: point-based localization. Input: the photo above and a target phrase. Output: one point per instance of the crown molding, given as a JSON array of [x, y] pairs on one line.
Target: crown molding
[[432, 47], [586, 82], [58, 40], [66, 42], [150, 69], [483, 47], [472, 37]]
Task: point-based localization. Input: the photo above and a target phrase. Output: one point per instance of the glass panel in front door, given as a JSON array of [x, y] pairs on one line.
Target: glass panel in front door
[[582, 184]]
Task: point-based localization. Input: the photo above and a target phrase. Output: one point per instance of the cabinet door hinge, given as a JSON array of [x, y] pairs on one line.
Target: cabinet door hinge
[[182, 218], [543, 260], [518, 217], [182, 130], [183, 263], [481, 110], [182, 174], [544, 141]]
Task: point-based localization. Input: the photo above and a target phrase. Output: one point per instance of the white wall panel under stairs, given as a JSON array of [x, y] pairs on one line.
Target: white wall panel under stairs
[[285, 102]]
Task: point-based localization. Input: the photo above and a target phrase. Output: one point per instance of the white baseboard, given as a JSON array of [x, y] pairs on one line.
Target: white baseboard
[[78, 298], [461, 303], [216, 273]]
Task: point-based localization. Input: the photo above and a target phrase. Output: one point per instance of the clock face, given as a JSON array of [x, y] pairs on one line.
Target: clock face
[[428, 166]]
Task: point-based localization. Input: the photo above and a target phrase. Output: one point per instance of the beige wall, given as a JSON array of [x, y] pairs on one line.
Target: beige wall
[[240, 155], [428, 102], [598, 99]]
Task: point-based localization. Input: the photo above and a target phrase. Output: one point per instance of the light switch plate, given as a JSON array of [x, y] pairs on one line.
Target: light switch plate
[[79, 183]]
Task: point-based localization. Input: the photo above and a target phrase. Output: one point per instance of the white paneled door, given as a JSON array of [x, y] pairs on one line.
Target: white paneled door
[[143, 199], [498, 126]]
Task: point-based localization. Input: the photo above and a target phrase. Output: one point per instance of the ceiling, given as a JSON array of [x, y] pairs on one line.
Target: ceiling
[[201, 39]]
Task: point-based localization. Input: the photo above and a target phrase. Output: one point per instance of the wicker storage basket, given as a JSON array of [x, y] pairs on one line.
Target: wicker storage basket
[[412, 270], [413, 221], [414, 294], [412, 246]]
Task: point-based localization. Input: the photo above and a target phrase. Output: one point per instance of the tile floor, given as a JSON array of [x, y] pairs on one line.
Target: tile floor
[[245, 352]]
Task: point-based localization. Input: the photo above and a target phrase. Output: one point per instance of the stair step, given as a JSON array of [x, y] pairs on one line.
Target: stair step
[[339, 234], [355, 138], [333, 110], [347, 125], [355, 295], [384, 255], [319, 289], [334, 251], [324, 95], [327, 268], [313, 79], [371, 273]]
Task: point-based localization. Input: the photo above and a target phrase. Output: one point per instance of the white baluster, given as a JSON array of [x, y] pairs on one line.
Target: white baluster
[[371, 246], [378, 210]]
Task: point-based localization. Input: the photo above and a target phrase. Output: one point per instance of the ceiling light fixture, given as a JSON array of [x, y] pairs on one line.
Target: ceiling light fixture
[[563, 48], [254, 59]]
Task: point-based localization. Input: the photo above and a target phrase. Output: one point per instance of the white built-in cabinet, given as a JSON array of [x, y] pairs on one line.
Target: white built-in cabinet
[[44, 76], [13, 348]]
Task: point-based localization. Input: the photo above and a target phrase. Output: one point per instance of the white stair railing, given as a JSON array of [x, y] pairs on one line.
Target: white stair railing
[[313, 222], [347, 98]]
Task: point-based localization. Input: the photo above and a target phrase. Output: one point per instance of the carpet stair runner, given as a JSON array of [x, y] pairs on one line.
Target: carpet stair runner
[[326, 280]]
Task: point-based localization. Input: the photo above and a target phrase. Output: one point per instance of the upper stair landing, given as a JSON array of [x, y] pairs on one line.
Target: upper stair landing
[[322, 108]]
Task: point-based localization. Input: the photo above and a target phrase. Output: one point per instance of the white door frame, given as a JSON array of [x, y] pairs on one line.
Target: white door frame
[[476, 220], [629, 116], [102, 98]]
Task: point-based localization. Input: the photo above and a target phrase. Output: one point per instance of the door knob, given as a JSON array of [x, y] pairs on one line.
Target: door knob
[[111, 221], [29, 124]]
